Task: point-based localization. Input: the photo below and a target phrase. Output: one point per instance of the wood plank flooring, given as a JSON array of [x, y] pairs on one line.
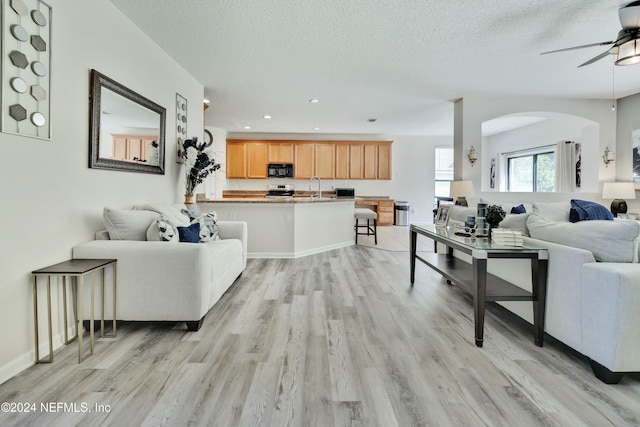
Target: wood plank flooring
[[334, 339]]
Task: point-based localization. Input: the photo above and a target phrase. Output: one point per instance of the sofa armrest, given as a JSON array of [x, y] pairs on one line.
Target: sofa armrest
[[234, 230]]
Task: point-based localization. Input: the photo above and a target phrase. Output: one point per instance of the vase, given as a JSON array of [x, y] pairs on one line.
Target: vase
[[188, 199]]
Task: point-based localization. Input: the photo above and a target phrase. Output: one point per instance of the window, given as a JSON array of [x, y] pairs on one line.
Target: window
[[444, 171], [531, 172]]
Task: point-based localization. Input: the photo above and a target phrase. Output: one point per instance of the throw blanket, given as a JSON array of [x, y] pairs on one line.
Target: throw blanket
[[584, 210]]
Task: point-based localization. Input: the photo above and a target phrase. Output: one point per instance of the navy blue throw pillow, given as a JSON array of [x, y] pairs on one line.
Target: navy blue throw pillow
[[190, 234], [518, 209], [584, 210]]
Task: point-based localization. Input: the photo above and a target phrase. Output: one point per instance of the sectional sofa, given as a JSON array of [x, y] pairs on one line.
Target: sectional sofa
[[593, 288]]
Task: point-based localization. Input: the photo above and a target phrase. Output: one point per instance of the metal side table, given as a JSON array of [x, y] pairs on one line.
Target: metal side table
[[77, 269]]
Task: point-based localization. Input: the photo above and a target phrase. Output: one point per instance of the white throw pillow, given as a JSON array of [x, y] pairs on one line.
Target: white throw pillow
[[609, 241], [556, 211], [162, 230], [127, 224], [172, 212], [208, 226]]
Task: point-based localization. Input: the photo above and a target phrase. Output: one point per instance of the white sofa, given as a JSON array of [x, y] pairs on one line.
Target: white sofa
[[167, 281], [593, 286]]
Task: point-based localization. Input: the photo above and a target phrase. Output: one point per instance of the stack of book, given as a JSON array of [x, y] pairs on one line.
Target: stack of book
[[507, 237]]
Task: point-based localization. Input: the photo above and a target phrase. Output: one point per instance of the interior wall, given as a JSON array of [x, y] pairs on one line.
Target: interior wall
[[470, 113], [52, 200], [413, 169], [547, 132], [628, 121]]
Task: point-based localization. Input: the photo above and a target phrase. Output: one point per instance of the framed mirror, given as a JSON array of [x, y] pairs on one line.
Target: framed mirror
[[126, 130]]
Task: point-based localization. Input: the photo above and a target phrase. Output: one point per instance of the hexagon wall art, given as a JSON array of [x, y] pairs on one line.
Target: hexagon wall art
[[26, 64]]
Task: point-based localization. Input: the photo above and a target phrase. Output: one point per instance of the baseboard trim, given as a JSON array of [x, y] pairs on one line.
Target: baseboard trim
[[298, 254], [27, 359]]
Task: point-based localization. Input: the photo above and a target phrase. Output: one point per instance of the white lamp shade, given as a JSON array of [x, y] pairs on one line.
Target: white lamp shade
[[461, 189], [619, 190]]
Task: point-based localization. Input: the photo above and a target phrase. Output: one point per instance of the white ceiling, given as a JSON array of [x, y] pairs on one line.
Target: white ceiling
[[400, 62]]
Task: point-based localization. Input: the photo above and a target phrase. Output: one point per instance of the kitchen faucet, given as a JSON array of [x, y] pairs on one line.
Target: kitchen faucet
[[311, 181]]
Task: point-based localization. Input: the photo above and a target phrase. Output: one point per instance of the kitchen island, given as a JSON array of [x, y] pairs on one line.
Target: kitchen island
[[288, 227]]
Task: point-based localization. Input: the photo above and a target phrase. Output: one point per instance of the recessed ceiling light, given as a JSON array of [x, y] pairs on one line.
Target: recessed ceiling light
[[316, 128], [206, 101], [266, 116], [247, 127], [314, 101]]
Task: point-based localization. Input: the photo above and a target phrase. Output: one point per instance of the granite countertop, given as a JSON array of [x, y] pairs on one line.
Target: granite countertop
[[300, 196], [264, 200]]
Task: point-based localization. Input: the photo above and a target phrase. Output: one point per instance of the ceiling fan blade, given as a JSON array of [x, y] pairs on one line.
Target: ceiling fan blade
[[579, 47], [596, 58]]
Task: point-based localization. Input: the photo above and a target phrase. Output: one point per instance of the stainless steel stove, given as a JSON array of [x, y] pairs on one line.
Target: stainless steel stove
[[280, 191]]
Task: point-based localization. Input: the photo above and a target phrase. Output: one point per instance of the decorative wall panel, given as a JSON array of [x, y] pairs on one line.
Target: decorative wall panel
[[26, 68]]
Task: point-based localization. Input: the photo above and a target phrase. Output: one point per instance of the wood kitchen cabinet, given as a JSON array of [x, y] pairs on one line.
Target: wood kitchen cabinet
[[342, 161], [370, 161], [384, 161], [303, 162], [236, 160], [280, 152], [325, 160], [257, 160]]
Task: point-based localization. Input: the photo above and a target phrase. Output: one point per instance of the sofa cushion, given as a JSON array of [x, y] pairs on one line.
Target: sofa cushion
[[172, 212], [515, 222], [190, 234], [127, 224], [611, 241], [162, 230], [208, 227], [555, 211]]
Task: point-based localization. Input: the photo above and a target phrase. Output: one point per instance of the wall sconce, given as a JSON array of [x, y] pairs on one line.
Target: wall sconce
[[472, 155], [608, 157]]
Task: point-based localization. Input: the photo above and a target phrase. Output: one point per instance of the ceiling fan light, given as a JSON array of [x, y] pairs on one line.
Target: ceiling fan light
[[629, 53]]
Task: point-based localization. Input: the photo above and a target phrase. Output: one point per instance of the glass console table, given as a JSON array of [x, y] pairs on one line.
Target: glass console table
[[474, 277]]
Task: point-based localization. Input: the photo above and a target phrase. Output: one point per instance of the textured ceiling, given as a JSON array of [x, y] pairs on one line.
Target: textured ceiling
[[400, 62]]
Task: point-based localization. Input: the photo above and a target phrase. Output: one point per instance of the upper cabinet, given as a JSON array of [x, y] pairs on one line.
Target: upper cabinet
[[280, 152], [326, 159]]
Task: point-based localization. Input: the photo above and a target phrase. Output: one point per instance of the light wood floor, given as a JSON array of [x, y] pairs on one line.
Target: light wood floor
[[335, 339]]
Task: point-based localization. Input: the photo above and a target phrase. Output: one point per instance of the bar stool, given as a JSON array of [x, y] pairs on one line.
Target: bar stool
[[368, 214]]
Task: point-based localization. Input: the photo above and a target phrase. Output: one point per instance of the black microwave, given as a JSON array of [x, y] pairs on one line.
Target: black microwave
[[280, 170]]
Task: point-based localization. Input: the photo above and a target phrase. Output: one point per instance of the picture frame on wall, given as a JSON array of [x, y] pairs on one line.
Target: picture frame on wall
[[635, 156], [26, 68], [181, 125]]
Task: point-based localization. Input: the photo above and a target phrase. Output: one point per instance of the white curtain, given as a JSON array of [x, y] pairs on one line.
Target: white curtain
[[565, 167]]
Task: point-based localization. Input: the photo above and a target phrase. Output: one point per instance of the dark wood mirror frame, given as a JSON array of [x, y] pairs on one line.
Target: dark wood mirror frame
[[99, 81]]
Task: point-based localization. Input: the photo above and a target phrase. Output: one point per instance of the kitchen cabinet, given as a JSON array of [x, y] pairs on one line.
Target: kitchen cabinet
[[256, 160], [342, 161], [383, 207], [303, 162], [236, 160], [280, 152], [356, 165], [326, 159], [325, 155], [370, 161], [384, 161]]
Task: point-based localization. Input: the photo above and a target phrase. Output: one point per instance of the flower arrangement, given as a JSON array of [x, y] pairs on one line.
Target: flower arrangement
[[198, 163], [494, 215]]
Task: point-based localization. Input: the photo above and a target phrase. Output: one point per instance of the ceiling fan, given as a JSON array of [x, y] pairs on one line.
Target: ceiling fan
[[626, 45]]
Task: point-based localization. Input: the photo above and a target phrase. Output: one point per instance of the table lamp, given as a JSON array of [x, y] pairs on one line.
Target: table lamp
[[460, 190], [618, 191]]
